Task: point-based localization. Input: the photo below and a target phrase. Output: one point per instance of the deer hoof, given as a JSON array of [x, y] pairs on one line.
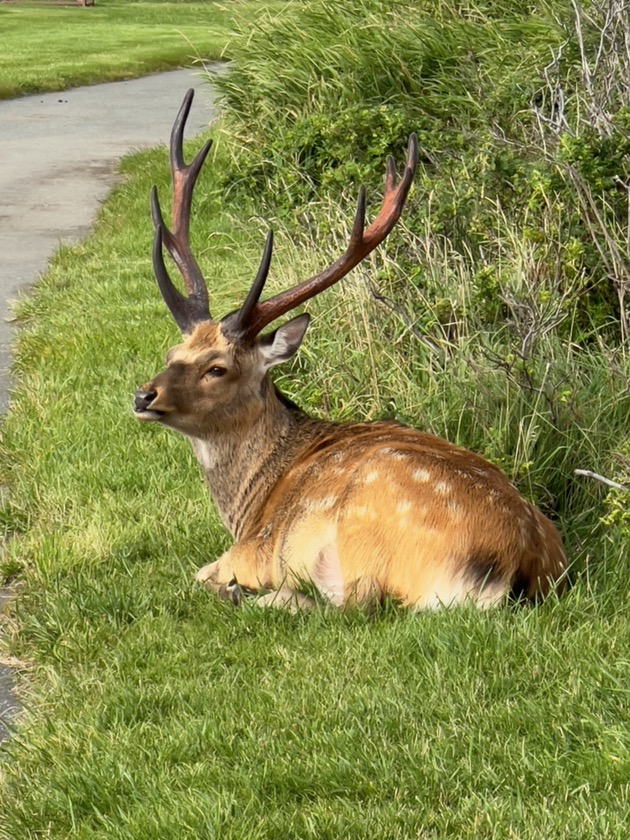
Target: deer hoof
[[231, 592]]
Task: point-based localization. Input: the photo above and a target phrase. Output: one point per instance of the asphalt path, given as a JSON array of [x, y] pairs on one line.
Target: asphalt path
[[58, 155]]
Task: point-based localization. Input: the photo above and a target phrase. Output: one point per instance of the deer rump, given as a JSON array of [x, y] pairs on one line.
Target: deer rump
[[359, 511], [378, 510]]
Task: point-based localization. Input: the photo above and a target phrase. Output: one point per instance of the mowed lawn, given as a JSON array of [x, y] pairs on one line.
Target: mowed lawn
[[151, 710], [52, 47]]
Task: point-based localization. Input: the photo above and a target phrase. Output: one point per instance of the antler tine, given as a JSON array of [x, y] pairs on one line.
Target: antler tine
[[358, 226], [177, 240], [390, 173], [180, 307], [177, 132], [360, 244], [235, 323]]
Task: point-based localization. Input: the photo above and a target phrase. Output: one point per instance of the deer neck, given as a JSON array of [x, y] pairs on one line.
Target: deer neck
[[242, 464]]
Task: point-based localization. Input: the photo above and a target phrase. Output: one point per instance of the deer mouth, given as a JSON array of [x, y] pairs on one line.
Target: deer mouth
[[148, 414], [143, 405]]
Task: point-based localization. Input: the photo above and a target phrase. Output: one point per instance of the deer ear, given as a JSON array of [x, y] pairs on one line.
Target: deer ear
[[279, 346]]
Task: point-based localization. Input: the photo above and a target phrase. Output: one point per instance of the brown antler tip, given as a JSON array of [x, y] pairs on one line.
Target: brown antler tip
[[199, 159], [390, 174], [240, 325], [159, 268], [358, 225]]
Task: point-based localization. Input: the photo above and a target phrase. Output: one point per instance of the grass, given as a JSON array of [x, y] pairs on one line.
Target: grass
[[152, 710], [54, 48]]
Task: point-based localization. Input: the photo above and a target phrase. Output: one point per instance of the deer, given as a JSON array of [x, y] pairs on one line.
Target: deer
[[359, 511]]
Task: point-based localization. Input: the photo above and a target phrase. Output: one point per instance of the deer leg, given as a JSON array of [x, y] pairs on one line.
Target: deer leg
[[217, 574], [286, 598], [245, 564], [246, 567]]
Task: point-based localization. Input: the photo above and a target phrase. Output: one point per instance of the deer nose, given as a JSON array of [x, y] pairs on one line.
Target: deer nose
[[143, 399]]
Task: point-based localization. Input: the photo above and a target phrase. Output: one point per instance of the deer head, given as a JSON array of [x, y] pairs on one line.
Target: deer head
[[217, 377]]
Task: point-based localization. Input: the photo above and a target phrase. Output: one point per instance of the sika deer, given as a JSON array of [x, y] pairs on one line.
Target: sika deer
[[361, 510]]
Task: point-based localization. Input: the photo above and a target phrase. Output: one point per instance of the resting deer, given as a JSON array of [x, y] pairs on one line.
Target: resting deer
[[360, 510]]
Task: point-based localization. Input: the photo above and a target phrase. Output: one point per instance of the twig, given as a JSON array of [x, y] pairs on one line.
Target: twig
[[399, 310], [607, 481]]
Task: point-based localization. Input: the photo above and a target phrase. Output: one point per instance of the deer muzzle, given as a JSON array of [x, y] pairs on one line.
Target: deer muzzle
[[142, 405]]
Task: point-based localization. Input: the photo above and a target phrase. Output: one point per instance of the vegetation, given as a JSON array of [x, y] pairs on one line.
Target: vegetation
[[47, 49], [495, 317]]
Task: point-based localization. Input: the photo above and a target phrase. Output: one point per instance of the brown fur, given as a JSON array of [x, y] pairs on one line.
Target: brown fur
[[361, 510]]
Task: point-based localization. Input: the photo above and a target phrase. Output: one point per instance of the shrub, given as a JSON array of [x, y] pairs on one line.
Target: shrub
[[319, 96]]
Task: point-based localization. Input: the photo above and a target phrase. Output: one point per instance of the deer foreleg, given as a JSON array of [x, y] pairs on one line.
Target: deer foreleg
[[246, 566], [246, 563], [286, 598]]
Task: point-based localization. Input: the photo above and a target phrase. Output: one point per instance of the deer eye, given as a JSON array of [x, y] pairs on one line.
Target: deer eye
[[214, 372]]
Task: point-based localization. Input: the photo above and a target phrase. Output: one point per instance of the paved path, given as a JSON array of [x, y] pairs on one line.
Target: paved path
[[8, 706], [58, 153]]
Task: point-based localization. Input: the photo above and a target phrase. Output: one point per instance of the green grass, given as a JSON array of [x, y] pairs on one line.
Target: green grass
[[152, 710], [55, 48]]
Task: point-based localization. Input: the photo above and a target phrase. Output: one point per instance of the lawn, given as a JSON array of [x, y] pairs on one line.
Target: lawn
[[154, 710], [58, 47]]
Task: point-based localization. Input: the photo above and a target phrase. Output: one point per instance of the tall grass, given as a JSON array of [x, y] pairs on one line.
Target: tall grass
[[497, 96], [335, 85]]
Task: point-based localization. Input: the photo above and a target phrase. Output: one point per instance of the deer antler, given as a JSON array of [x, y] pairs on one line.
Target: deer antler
[[252, 317], [190, 310]]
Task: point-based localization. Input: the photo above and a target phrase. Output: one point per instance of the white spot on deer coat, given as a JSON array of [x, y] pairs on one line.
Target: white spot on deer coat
[[359, 511], [325, 503], [422, 476], [455, 509]]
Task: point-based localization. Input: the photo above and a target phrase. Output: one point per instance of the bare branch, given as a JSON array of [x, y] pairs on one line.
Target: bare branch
[[607, 481]]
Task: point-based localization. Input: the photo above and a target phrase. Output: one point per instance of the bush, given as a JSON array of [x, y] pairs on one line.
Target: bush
[[319, 96]]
